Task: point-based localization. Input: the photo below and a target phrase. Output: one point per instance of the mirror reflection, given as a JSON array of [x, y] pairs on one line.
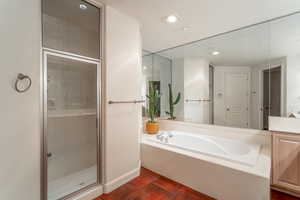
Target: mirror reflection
[[285, 72], [237, 79], [157, 70]]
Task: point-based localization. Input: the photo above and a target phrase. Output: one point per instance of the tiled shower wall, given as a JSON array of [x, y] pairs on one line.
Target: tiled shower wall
[[71, 87], [71, 138], [72, 142], [66, 36]]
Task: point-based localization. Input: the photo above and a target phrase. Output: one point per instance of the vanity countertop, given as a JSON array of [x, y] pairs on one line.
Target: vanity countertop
[[284, 124]]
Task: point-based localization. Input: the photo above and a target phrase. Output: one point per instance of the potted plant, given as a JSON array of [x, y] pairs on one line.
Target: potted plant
[[172, 103], [152, 126]]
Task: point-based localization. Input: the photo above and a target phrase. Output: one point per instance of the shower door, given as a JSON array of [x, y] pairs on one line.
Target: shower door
[[71, 118]]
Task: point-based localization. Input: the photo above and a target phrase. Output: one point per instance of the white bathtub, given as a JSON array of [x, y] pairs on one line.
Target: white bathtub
[[215, 146], [221, 162]]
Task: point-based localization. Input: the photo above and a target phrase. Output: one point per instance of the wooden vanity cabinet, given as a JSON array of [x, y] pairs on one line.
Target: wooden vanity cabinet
[[286, 162]]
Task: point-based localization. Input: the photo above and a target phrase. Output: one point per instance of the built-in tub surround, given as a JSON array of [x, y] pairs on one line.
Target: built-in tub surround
[[213, 175]]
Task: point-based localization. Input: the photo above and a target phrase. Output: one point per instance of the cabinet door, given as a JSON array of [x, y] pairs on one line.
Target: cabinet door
[[286, 161]]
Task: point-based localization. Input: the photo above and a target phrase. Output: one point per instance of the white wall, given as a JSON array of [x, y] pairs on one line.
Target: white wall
[[165, 79], [20, 113], [293, 84], [178, 86], [20, 40], [257, 90], [147, 62], [196, 87], [157, 68], [190, 77], [123, 121], [147, 66], [256, 97]]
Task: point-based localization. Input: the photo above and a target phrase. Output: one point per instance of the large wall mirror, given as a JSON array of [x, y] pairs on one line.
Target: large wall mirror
[[285, 72], [237, 79]]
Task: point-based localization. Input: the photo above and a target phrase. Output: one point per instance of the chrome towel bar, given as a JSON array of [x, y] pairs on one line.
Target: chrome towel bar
[[118, 102], [197, 100]]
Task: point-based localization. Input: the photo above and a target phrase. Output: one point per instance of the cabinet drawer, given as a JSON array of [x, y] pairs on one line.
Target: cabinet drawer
[[286, 161]]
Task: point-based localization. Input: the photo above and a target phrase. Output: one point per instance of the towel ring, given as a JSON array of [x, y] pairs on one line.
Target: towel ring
[[22, 77]]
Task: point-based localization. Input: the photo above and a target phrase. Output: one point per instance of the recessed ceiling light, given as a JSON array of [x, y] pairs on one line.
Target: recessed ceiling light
[[82, 6], [172, 19], [215, 53]]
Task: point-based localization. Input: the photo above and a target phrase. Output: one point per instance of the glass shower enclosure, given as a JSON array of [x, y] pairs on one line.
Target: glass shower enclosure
[[71, 83]]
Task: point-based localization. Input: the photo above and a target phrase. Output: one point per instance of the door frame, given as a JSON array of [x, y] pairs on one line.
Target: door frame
[[273, 64], [101, 104], [44, 174]]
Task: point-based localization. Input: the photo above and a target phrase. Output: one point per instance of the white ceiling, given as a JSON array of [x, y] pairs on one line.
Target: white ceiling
[[203, 17], [242, 48], [247, 47]]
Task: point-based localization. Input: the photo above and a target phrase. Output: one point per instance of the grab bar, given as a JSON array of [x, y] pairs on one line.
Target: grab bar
[[118, 102]]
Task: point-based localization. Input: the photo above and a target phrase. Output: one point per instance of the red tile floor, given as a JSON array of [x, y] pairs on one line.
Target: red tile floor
[[152, 186]]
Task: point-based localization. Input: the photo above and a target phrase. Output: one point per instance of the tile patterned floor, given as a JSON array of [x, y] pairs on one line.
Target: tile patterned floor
[[152, 186]]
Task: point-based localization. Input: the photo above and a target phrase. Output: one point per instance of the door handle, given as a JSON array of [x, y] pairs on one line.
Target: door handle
[[227, 109]]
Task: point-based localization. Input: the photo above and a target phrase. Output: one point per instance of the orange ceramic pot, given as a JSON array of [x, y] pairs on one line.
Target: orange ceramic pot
[[152, 128]]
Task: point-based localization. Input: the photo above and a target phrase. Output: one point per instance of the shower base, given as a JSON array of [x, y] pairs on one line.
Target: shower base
[[71, 183]]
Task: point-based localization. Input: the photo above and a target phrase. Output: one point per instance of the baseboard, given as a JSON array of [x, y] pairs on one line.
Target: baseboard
[[90, 194], [125, 178], [285, 191]]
